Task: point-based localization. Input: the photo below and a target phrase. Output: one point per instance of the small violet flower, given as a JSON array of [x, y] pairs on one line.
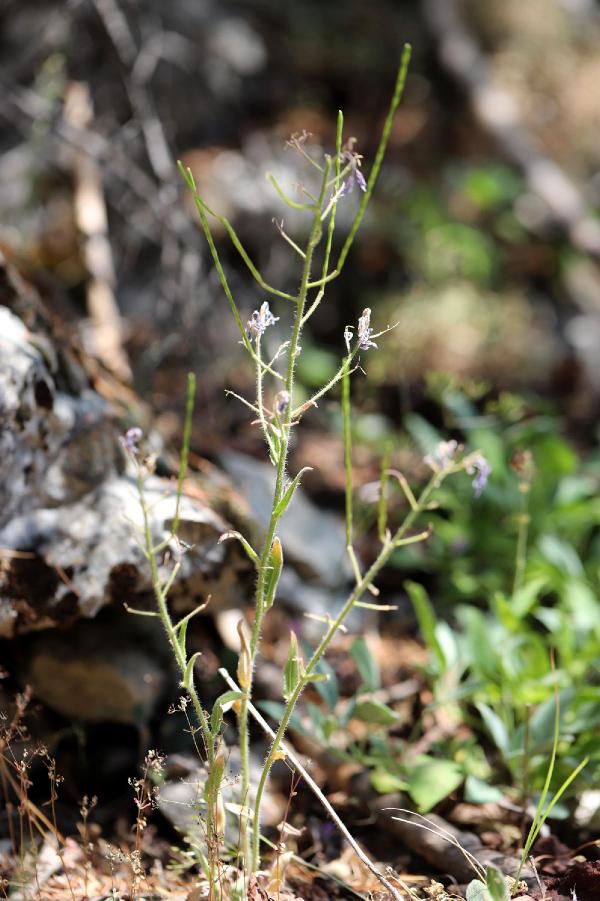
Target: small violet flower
[[260, 320], [282, 400], [131, 441], [355, 176], [365, 331], [479, 467]]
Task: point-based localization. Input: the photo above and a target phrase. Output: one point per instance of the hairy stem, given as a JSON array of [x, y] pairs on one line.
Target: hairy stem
[[355, 596]]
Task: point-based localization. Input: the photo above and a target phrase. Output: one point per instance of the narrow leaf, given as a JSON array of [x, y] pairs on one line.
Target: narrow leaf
[[243, 541], [289, 492], [427, 620], [189, 670], [221, 706], [293, 669], [275, 565]]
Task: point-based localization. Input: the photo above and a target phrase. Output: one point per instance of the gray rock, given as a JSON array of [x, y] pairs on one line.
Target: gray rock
[[70, 519]]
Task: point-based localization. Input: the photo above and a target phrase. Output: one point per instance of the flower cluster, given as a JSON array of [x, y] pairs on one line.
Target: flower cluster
[[260, 320], [365, 331], [131, 441], [442, 456]]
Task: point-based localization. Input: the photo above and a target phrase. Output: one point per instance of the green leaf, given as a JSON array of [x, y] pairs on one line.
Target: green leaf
[[275, 565], [293, 669], [222, 704], [275, 710], [422, 432], [561, 554], [385, 782], [244, 542], [479, 792], [370, 711], [427, 620], [430, 781], [189, 670], [328, 689], [181, 633], [477, 891], [317, 677], [366, 664], [289, 492], [496, 728], [496, 884]]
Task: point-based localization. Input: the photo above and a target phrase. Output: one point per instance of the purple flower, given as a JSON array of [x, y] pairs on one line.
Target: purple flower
[[282, 399], [131, 440], [480, 467], [355, 176], [260, 320], [365, 331]]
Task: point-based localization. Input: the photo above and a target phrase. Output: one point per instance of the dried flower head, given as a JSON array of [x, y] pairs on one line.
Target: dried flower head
[[260, 320], [479, 467], [442, 456]]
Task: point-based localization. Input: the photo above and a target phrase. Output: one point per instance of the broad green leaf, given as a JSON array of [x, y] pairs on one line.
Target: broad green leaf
[[370, 711], [479, 792], [561, 554], [496, 884], [366, 663], [496, 728], [385, 782], [328, 689], [422, 432], [427, 620], [429, 781], [477, 891], [275, 710]]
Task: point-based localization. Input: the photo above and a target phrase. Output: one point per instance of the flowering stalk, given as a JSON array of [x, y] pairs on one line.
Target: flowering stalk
[[338, 176], [176, 632]]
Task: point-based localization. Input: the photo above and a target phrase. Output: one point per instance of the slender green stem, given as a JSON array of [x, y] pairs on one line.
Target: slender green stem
[[347, 431], [355, 596], [325, 277], [524, 520], [182, 661], [385, 136], [293, 204], [250, 851], [185, 446], [240, 249], [383, 486]]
